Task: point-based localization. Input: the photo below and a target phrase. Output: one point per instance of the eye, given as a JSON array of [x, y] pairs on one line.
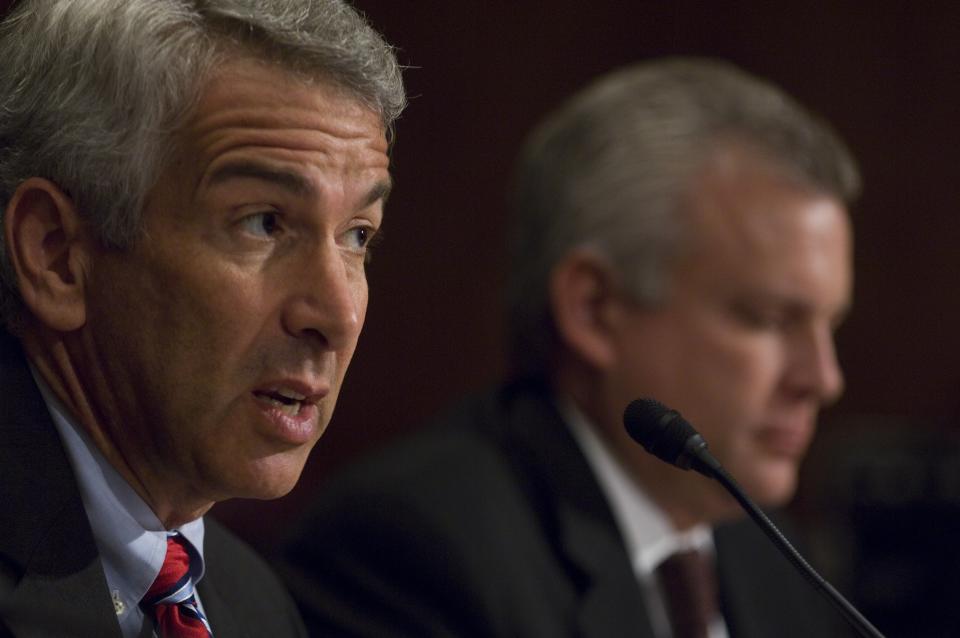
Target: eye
[[360, 237], [265, 224], [760, 318]]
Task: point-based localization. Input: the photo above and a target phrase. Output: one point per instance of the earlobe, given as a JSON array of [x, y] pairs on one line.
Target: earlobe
[[582, 290], [46, 245]]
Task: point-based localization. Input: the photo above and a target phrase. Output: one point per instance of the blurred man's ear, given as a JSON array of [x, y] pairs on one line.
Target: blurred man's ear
[[583, 296], [46, 244]]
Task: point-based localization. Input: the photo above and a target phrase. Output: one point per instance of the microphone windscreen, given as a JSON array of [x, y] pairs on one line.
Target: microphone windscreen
[[660, 430]]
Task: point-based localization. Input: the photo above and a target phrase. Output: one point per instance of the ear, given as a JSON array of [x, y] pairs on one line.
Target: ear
[[47, 247], [583, 295]]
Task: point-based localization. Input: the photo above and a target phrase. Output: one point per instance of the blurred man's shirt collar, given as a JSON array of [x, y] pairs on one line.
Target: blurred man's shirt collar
[[648, 534]]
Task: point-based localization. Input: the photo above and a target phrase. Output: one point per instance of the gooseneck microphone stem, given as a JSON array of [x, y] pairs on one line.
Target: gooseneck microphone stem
[[849, 612], [668, 436]]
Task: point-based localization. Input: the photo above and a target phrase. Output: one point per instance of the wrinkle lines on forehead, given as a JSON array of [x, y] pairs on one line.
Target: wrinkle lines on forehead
[[363, 150], [252, 111], [293, 181], [297, 129], [315, 113]]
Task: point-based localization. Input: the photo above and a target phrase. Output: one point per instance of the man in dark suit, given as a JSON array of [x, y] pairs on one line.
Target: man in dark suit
[[681, 233], [187, 191]]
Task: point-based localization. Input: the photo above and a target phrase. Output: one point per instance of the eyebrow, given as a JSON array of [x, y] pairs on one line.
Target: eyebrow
[[799, 307], [380, 191], [291, 181]]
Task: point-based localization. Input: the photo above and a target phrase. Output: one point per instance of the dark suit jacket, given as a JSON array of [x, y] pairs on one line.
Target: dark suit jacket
[[51, 579], [491, 524]]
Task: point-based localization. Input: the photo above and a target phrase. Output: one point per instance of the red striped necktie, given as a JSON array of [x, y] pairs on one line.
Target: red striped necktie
[[171, 600]]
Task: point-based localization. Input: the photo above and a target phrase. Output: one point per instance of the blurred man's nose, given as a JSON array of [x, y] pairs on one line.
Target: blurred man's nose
[[814, 368]]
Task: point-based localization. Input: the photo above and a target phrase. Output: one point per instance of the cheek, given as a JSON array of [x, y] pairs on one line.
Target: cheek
[[728, 385], [359, 292], [362, 299], [345, 355], [223, 301], [743, 366], [207, 334], [203, 326]]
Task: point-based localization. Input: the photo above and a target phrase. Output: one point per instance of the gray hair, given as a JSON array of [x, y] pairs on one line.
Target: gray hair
[[609, 169], [92, 91]]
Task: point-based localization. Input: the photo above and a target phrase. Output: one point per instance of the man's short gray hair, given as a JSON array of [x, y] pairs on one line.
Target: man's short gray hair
[[92, 91], [609, 169]]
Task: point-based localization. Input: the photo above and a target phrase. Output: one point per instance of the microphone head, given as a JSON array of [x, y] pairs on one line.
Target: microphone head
[[660, 430]]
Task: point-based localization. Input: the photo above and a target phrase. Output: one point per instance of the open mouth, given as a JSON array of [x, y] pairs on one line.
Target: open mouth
[[287, 401]]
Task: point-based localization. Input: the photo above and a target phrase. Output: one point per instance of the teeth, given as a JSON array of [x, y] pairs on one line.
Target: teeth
[[290, 409], [290, 394]]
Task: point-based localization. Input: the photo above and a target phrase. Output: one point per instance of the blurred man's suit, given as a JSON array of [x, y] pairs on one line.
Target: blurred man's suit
[[492, 524]]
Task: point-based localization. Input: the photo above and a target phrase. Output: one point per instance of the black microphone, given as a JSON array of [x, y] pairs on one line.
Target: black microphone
[[668, 436]]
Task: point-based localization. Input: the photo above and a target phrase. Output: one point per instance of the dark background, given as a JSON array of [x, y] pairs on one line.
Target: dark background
[[881, 493]]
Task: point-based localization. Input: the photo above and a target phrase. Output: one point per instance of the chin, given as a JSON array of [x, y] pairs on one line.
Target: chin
[[776, 487], [273, 493], [266, 479], [266, 488]]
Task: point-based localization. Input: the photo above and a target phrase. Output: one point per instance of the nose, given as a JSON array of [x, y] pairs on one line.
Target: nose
[[328, 302], [815, 370]]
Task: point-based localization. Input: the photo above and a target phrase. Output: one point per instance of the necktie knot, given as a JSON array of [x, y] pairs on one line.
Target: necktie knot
[[689, 587], [174, 573], [171, 600]]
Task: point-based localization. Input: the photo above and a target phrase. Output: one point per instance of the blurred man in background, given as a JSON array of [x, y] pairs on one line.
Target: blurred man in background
[[187, 191], [680, 233]]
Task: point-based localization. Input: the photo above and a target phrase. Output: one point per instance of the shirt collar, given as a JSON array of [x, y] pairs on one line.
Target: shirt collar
[[648, 534], [131, 539]]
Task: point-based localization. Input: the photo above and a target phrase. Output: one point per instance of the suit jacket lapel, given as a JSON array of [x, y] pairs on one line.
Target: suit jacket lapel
[[57, 580], [612, 603], [576, 514], [218, 612]]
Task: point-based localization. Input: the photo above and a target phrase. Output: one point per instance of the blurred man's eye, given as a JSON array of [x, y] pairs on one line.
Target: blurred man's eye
[[760, 318]]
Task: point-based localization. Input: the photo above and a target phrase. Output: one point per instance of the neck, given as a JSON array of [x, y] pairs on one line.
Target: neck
[[54, 357], [685, 497]]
